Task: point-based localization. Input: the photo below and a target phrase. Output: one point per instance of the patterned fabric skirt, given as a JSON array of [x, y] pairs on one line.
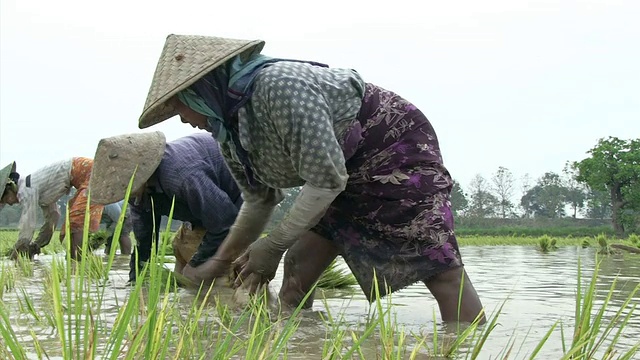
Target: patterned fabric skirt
[[394, 219], [80, 175]]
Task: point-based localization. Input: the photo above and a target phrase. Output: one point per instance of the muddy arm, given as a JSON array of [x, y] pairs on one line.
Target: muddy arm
[[51, 217], [27, 226], [251, 221]]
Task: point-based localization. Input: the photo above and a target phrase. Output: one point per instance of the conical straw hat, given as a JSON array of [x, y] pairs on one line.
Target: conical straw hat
[[4, 175], [184, 60], [116, 159]]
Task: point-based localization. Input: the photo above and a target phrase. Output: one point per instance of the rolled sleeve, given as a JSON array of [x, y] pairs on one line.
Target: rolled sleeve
[[51, 216], [26, 228]]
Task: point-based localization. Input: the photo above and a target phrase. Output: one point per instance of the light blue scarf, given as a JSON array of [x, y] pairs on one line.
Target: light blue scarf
[[220, 92]]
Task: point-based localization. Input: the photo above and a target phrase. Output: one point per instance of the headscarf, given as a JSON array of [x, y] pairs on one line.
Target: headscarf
[[222, 92]]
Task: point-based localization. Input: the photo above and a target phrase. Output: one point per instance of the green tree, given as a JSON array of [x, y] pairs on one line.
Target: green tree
[[576, 191], [459, 202], [503, 184], [483, 202], [525, 186], [598, 204], [547, 198], [614, 166]]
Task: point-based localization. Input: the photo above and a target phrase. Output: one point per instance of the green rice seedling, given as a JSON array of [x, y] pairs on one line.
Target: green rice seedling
[[336, 332], [152, 323], [51, 277], [24, 265], [603, 243], [380, 329], [192, 334], [473, 334], [77, 300], [7, 279], [40, 352], [267, 333], [585, 243], [261, 330], [477, 336], [546, 243], [148, 338], [28, 305], [634, 239], [392, 337], [592, 332], [98, 239], [95, 268], [11, 347], [334, 278]]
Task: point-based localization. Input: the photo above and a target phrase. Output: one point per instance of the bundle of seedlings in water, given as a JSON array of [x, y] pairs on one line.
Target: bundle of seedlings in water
[[334, 278], [603, 243], [97, 239], [547, 243]]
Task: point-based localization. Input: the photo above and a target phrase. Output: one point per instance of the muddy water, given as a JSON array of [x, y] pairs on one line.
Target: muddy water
[[539, 289]]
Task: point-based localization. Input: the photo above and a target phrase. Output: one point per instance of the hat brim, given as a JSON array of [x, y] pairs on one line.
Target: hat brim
[[183, 62], [4, 174], [118, 158]]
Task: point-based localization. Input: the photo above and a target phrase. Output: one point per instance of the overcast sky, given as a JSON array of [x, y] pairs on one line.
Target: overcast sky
[[523, 84]]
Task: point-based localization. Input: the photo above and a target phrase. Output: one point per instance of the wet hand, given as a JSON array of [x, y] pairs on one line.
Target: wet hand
[[258, 264], [211, 269]]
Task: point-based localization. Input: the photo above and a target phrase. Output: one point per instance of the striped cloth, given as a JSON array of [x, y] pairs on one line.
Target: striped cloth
[[46, 186]]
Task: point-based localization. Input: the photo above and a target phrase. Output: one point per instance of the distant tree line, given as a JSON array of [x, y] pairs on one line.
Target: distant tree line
[[604, 185]]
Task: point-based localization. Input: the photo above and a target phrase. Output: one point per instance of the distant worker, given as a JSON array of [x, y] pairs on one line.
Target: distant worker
[[43, 188], [190, 170]]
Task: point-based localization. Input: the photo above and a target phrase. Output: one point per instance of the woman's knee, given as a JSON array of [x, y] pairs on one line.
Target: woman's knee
[[293, 293], [304, 263], [449, 277]]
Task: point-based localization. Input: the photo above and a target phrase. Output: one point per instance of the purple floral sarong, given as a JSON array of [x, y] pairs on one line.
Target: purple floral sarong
[[394, 216]]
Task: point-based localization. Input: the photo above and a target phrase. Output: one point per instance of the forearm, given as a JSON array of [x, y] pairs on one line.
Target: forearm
[[23, 240], [27, 224], [45, 234], [208, 247], [251, 221], [26, 231], [310, 205], [51, 217]]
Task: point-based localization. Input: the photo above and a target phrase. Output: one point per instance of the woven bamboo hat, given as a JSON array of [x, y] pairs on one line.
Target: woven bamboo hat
[[116, 159], [184, 60], [4, 175]]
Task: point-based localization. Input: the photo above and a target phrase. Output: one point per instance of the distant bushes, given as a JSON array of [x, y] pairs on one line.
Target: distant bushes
[[562, 227], [535, 232]]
